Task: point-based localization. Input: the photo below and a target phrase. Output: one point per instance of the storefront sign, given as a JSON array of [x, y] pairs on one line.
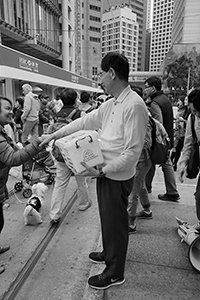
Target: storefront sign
[[28, 64]]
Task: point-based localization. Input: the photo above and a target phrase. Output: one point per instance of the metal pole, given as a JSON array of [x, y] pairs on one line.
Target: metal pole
[[188, 79]]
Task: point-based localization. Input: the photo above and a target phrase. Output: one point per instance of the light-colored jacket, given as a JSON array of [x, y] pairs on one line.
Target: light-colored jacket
[[31, 107]]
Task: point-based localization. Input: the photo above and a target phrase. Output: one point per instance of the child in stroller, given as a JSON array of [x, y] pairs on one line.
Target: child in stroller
[[38, 169]]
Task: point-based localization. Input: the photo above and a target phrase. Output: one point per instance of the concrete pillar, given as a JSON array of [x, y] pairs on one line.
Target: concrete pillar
[[9, 93], [65, 43]]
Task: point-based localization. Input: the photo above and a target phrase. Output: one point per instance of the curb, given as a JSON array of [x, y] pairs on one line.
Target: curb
[[90, 293]]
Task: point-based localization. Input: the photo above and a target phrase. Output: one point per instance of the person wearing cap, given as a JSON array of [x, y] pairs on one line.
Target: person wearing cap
[[30, 116]]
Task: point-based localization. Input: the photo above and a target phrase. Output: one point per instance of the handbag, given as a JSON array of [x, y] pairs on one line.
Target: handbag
[[192, 168]]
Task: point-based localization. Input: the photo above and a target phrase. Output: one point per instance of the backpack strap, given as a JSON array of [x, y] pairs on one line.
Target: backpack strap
[[192, 127], [72, 113], [66, 117], [153, 132]]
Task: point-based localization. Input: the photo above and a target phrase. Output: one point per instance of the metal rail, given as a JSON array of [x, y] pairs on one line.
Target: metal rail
[[23, 275]]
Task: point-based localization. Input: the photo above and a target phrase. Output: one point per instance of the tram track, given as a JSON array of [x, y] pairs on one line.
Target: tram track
[[23, 275]]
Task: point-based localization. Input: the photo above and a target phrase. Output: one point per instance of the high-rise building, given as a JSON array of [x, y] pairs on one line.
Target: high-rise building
[[91, 38], [148, 35], [149, 14], [140, 8], [120, 33], [161, 32], [186, 22]]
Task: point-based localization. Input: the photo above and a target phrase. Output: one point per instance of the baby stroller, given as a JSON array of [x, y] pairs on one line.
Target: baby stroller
[[41, 168]]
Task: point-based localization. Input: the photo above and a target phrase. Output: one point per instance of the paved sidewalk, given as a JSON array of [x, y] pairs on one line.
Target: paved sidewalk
[[157, 266]]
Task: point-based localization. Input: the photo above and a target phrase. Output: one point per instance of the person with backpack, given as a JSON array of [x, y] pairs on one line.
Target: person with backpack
[[155, 151], [85, 105], [139, 191], [161, 110], [67, 114], [193, 119]]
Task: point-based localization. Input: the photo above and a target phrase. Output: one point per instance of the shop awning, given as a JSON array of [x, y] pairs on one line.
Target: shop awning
[[16, 65]]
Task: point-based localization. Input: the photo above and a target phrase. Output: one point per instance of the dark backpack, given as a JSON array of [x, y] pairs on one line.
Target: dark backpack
[[60, 122], [159, 150]]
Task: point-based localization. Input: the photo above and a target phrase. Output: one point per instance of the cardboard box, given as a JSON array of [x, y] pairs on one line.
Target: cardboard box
[[80, 146]]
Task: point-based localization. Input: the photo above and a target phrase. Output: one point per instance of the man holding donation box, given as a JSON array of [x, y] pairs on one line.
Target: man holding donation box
[[122, 121]]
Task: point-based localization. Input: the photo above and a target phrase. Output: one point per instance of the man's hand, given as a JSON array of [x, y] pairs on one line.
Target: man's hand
[[181, 171], [90, 171], [45, 139]]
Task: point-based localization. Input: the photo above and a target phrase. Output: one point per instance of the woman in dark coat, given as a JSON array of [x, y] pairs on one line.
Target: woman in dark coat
[[10, 156]]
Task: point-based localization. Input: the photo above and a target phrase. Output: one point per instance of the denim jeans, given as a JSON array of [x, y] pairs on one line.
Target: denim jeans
[[169, 177], [63, 175], [139, 190]]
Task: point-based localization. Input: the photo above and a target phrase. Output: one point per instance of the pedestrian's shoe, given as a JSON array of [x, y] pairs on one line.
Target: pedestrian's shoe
[[101, 281], [2, 269], [83, 207], [97, 257], [169, 197], [132, 228], [143, 214], [54, 221], [149, 190], [4, 249]]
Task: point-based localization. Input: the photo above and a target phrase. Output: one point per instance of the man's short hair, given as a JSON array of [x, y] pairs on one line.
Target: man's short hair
[[85, 97], [154, 81], [68, 96], [4, 98], [194, 98], [118, 62]]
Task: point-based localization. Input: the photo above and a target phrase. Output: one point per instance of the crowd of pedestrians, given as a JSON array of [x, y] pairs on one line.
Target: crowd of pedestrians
[[121, 118]]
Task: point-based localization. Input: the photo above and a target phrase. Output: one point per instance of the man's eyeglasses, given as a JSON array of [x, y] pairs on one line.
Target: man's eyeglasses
[[100, 74]]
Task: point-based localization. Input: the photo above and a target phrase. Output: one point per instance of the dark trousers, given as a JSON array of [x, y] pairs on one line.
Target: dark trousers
[[176, 155], [197, 198], [112, 198], [1, 217]]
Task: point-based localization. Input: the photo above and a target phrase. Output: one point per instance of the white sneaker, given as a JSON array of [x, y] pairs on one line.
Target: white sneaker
[[83, 207]]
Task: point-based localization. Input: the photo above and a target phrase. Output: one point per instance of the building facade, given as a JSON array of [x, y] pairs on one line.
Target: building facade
[[120, 33], [91, 38], [186, 22], [140, 8], [161, 32], [37, 38], [32, 27]]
